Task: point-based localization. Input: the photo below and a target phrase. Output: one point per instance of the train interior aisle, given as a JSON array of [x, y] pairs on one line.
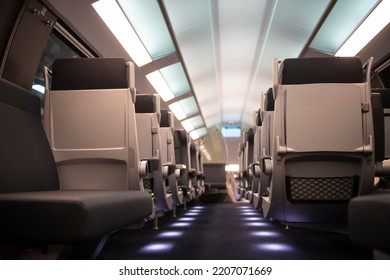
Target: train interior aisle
[[215, 228], [194, 130]]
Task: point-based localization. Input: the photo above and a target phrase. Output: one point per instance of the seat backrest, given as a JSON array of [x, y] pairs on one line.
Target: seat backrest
[[257, 129], [249, 142], [381, 113], [266, 144], [147, 108], [167, 145], [194, 164], [323, 138], [242, 165], [89, 119], [168, 154], [312, 87], [267, 117], [27, 163], [148, 116], [379, 126], [182, 155]]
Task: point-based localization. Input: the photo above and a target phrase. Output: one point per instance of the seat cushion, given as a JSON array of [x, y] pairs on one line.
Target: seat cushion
[[68, 216], [369, 221]]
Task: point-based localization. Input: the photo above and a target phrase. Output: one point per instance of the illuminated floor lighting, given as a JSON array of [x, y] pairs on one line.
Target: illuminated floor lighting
[[180, 224], [265, 233], [192, 214], [156, 248], [277, 247], [199, 207], [244, 206], [169, 234], [248, 210], [250, 213], [186, 219], [257, 224], [252, 219], [195, 211]]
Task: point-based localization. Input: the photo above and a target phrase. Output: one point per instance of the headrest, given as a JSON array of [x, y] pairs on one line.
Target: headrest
[[180, 138], [321, 70], [166, 118], [89, 73], [147, 103], [257, 118], [193, 147], [269, 101], [250, 135]]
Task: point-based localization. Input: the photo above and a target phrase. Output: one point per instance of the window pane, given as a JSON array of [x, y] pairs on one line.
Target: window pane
[[56, 47]]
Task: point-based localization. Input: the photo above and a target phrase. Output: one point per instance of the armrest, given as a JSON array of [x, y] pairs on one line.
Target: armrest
[[192, 173], [382, 168], [266, 165], [180, 169], [256, 169], [148, 165], [168, 169]]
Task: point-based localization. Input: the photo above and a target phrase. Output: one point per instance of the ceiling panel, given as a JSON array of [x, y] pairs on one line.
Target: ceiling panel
[[228, 45]]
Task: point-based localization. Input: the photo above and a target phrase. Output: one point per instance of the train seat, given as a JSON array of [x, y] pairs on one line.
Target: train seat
[[369, 224], [147, 107], [182, 155], [201, 174], [90, 123], [323, 153], [168, 156], [266, 118], [33, 209], [249, 139], [242, 170], [255, 167], [196, 171]]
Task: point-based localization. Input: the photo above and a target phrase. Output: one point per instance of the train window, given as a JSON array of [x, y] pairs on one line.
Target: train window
[[61, 44]]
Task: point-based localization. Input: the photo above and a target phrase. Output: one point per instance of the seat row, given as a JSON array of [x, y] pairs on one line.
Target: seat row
[[315, 147], [103, 158]]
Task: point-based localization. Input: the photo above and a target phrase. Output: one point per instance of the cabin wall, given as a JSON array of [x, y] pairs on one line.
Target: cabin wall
[[9, 11], [26, 43]]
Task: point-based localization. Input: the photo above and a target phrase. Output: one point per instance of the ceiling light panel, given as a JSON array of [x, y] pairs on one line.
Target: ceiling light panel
[[177, 110], [160, 85], [114, 18], [192, 123], [367, 30], [340, 24], [201, 131], [187, 125], [189, 106], [148, 22], [176, 79], [196, 121]]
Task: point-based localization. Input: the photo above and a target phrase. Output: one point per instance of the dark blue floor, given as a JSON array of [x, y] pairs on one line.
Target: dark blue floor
[[228, 231]]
